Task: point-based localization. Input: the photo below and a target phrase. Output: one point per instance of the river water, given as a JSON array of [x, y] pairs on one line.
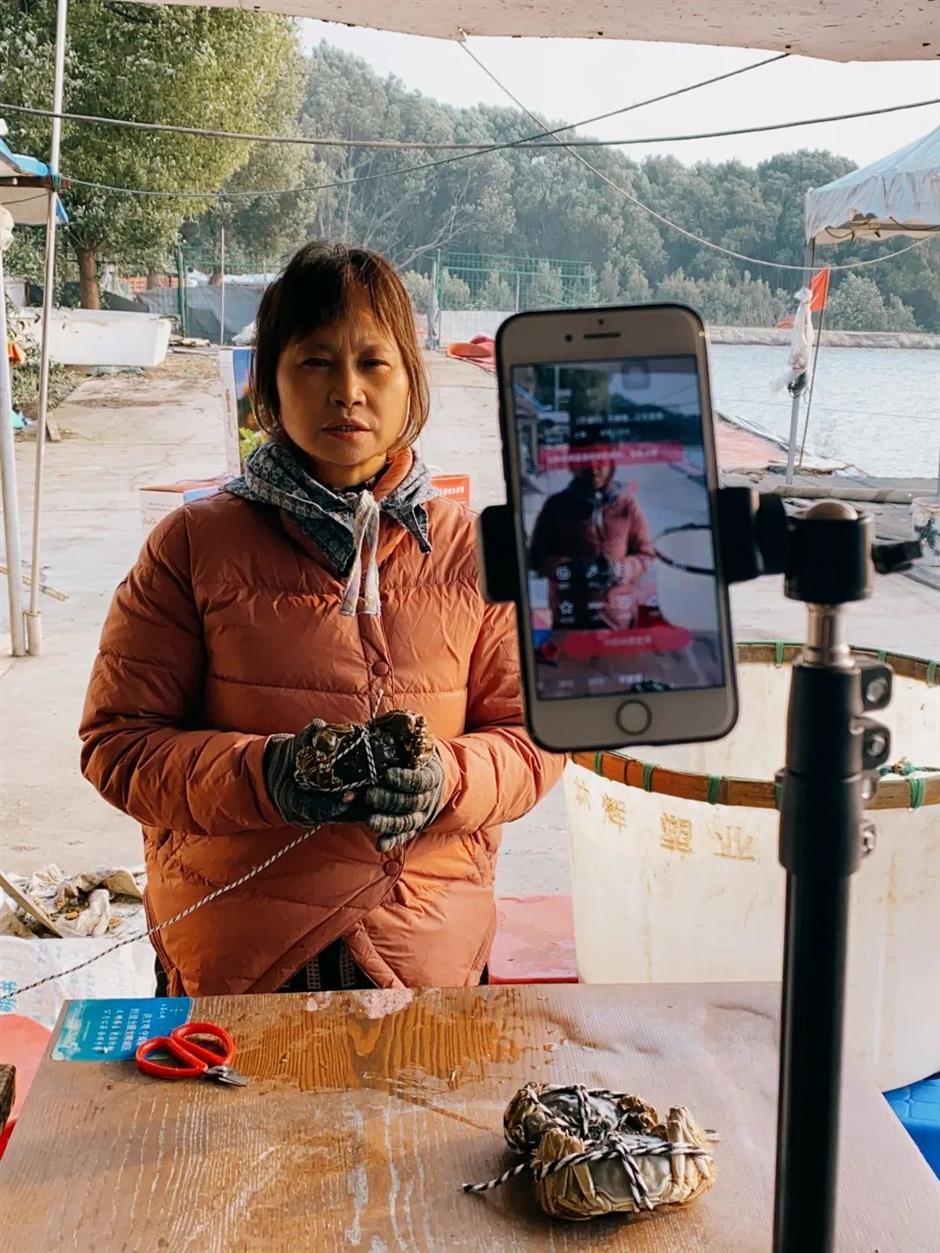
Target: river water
[[875, 408]]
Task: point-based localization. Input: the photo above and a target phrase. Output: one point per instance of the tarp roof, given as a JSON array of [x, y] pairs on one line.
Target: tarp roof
[[25, 188], [837, 30], [897, 195]]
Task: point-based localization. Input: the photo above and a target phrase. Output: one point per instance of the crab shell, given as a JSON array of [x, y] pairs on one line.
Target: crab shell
[[338, 759]]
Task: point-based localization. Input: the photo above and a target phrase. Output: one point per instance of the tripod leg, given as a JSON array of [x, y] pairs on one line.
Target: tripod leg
[[810, 1063]]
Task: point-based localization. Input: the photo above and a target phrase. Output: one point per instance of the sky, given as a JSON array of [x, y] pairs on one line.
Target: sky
[[568, 79]]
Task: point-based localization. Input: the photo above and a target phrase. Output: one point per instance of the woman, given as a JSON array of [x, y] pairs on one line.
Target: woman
[[325, 585], [592, 542]]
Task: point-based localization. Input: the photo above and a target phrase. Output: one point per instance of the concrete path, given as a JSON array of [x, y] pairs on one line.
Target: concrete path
[[124, 431]]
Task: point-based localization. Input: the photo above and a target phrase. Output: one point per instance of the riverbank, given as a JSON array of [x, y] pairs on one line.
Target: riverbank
[[774, 335], [463, 324]]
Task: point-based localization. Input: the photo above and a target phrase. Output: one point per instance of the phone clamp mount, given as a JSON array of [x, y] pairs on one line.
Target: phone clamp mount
[[828, 558]]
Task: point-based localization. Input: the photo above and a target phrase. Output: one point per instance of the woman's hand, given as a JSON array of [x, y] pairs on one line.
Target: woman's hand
[[403, 803], [300, 806]]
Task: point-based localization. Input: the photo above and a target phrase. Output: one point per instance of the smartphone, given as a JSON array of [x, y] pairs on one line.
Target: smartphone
[[611, 476]]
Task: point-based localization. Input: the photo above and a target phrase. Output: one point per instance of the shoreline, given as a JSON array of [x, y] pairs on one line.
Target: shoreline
[[464, 324], [776, 336]]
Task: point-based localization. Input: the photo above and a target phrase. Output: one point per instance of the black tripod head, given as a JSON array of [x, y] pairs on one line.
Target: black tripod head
[[826, 553]]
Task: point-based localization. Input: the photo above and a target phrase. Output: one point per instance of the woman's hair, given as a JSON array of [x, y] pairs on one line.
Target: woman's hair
[[316, 288]]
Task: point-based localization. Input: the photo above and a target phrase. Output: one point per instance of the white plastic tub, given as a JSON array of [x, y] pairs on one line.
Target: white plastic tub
[[669, 887], [103, 337]]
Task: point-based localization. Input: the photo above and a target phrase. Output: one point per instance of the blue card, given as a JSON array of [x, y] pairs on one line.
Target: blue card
[[110, 1030]]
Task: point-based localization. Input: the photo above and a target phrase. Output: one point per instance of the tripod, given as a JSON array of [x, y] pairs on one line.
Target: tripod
[[828, 559], [833, 751]]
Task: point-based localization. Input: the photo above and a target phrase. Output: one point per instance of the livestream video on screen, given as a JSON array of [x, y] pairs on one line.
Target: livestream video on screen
[[622, 591]]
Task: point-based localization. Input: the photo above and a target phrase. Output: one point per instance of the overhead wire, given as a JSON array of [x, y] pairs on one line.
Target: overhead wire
[[542, 133], [469, 146], [660, 217]]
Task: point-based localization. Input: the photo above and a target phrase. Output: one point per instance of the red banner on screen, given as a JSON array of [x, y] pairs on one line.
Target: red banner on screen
[[580, 645], [564, 457]]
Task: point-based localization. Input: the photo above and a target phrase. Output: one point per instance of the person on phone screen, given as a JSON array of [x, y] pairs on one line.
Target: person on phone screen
[[592, 542]]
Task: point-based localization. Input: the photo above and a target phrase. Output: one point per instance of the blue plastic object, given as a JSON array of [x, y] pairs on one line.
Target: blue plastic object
[[918, 1107]]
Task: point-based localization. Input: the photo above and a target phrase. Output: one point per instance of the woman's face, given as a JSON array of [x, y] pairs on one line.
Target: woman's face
[[343, 392]]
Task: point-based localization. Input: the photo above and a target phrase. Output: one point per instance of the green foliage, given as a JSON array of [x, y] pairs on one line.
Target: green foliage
[[496, 293], [270, 227], [724, 302], [858, 305], [623, 285], [167, 63], [455, 293], [24, 378], [545, 288], [412, 215], [418, 287], [544, 204]]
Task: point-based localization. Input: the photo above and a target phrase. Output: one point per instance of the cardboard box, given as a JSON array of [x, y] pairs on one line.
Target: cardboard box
[[159, 500], [454, 487]]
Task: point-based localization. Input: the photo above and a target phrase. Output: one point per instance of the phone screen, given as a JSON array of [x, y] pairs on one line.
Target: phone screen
[[622, 588]]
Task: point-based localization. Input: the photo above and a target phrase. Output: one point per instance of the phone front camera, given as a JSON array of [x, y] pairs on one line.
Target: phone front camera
[[568, 339]]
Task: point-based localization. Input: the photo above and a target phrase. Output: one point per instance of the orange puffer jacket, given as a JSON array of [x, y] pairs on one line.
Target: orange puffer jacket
[[228, 630]]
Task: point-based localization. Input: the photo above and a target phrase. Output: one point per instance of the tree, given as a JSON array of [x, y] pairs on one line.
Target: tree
[[496, 293], [261, 229], [418, 287], [723, 302], [541, 203], [406, 215], [545, 289], [169, 64], [857, 305], [626, 285], [455, 293]]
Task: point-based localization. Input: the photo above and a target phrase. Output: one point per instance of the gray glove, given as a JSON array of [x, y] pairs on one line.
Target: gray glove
[[300, 806], [405, 802]]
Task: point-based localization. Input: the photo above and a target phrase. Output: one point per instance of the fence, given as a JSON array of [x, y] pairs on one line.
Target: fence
[[489, 281], [188, 286]]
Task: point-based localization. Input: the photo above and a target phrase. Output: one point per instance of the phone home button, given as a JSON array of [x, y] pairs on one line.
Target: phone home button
[[634, 717]]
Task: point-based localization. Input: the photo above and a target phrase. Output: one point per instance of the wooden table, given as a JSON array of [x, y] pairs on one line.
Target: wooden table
[[366, 1111]]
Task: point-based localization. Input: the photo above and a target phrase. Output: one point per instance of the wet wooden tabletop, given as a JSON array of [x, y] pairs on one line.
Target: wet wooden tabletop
[[366, 1111]]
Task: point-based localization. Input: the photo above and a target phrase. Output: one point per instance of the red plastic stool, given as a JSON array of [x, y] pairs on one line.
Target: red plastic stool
[[22, 1044], [534, 941]]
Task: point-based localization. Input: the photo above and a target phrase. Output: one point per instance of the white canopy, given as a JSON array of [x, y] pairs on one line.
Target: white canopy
[[897, 195], [837, 30]]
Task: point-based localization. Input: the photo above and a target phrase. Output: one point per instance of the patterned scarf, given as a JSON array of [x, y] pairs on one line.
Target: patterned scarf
[[344, 526]]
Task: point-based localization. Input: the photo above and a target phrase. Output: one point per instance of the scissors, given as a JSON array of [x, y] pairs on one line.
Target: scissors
[[193, 1058]]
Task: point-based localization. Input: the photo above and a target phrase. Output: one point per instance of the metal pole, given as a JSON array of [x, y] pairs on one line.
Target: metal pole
[[808, 254], [11, 520], [33, 618], [222, 288], [833, 752], [812, 382], [181, 290]]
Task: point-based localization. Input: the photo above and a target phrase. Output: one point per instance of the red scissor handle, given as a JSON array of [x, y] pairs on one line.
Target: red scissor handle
[[195, 1057], [211, 1056]]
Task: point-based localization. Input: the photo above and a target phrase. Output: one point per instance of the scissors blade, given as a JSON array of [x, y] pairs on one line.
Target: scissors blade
[[226, 1074]]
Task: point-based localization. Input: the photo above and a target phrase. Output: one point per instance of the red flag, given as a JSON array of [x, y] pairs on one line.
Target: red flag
[[819, 286]]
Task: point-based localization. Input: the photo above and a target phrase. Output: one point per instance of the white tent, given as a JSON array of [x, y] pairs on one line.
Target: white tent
[[27, 195], [837, 30], [898, 195]]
